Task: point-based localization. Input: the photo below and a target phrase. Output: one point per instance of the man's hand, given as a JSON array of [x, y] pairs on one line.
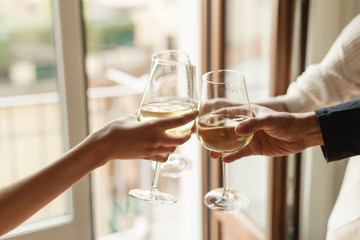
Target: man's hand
[[276, 133]]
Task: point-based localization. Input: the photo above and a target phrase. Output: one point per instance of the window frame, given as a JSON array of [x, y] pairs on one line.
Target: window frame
[[69, 47], [213, 23]]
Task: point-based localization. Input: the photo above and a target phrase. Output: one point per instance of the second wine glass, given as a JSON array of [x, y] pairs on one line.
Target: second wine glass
[[223, 104], [170, 91]]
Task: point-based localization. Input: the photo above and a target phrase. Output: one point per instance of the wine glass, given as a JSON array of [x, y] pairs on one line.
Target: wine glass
[[177, 162], [170, 91], [223, 104]]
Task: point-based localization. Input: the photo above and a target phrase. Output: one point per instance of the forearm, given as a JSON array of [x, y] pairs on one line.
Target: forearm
[[22, 199], [274, 104]]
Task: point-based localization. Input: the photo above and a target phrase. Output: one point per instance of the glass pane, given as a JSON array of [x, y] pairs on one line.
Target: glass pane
[[121, 36], [30, 116], [247, 49]]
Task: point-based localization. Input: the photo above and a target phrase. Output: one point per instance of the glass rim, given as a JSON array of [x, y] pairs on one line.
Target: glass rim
[[170, 51], [204, 76], [172, 62]]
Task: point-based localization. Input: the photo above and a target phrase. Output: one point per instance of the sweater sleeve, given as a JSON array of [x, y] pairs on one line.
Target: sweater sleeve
[[336, 79], [340, 129]]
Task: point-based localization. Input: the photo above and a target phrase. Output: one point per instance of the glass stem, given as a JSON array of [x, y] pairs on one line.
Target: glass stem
[[225, 177], [154, 184]]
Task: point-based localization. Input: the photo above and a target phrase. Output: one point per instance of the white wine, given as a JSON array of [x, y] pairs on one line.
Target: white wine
[[166, 109], [217, 132]]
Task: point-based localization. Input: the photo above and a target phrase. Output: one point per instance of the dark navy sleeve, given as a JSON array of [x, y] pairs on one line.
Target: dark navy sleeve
[[340, 127]]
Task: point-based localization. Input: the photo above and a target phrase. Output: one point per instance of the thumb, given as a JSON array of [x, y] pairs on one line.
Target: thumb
[[248, 127]]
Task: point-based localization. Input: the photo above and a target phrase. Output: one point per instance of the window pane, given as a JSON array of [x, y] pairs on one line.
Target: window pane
[[30, 116], [121, 36], [247, 49]]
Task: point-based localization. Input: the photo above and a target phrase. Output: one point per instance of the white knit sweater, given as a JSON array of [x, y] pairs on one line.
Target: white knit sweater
[[336, 79]]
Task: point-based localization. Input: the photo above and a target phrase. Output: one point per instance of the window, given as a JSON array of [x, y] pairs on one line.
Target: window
[[247, 49], [41, 69], [121, 36], [253, 37], [31, 121]]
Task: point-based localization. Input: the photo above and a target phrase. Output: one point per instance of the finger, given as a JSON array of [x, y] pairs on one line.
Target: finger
[[172, 139], [193, 129], [172, 122], [158, 157], [165, 149], [130, 117], [214, 154], [249, 126], [237, 155]]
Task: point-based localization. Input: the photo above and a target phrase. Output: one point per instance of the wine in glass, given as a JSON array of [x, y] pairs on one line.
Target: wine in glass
[[177, 162], [170, 91], [223, 104]]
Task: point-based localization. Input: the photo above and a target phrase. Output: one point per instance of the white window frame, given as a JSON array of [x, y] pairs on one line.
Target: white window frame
[[70, 52]]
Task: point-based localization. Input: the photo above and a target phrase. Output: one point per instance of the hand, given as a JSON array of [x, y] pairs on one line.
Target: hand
[[124, 138], [127, 138], [276, 133]]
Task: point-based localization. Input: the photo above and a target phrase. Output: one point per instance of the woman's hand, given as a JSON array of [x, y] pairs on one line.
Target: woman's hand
[[127, 138]]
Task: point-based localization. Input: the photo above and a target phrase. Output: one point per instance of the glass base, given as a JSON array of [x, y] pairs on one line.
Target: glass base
[[175, 167], [153, 196], [232, 201]]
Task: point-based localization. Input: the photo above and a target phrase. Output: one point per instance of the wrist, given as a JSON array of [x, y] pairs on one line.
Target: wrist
[[91, 152], [313, 134]]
